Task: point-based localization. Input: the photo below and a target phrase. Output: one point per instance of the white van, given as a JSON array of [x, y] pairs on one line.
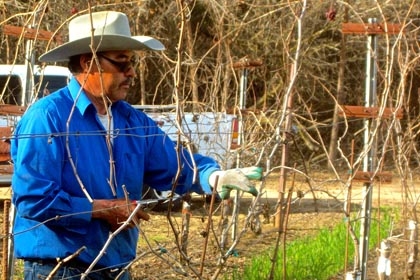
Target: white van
[[13, 81], [41, 81]]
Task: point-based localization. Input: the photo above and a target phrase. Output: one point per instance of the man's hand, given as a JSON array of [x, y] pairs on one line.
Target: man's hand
[[116, 211], [236, 179]]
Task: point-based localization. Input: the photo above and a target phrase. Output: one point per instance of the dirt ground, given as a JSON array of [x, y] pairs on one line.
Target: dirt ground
[[307, 216]]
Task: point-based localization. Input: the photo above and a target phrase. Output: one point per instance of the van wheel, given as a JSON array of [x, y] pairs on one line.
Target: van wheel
[[151, 193]]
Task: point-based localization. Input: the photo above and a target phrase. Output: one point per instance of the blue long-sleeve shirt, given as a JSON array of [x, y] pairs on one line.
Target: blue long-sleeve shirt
[[45, 187]]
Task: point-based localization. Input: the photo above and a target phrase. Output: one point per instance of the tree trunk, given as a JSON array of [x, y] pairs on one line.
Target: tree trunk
[[193, 67], [341, 96]]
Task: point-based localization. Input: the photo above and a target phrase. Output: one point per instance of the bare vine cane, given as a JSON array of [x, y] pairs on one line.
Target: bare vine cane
[[159, 252], [186, 217], [230, 207], [180, 132], [63, 262], [282, 232], [209, 225], [138, 257], [225, 254], [224, 222], [256, 209], [141, 204]]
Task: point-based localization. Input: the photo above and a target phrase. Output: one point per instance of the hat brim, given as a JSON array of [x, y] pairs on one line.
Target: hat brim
[[101, 44]]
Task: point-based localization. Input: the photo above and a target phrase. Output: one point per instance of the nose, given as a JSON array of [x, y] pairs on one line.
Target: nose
[[131, 72]]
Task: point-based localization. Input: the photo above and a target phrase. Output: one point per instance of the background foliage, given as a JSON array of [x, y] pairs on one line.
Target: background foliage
[[306, 59], [205, 38]]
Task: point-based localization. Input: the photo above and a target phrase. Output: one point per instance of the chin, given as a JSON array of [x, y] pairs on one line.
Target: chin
[[122, 96]]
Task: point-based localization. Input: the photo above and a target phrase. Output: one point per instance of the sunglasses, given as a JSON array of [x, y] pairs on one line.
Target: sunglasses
[[123, 66]]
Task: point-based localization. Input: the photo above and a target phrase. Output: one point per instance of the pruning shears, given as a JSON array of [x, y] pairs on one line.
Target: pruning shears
[[149, 204]]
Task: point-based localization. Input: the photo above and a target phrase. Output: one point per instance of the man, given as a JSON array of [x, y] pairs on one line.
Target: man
[[82, 154]]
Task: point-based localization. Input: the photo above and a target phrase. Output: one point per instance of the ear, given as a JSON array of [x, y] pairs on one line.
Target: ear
[[85, 60]]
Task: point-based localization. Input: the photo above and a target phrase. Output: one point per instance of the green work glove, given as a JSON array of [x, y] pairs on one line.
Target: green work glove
[[236, 179], [252, 172]]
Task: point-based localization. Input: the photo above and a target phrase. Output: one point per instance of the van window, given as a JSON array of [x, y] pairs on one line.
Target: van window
[[12, 91], [49, 84]]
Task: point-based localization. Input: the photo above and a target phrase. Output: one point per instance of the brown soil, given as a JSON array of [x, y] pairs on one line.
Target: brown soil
[[307, 216]]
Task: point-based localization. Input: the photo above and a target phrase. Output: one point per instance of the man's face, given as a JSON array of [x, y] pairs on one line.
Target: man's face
[[116, 75]]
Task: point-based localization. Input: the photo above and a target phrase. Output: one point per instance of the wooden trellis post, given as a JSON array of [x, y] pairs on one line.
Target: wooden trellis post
[[369, 113]]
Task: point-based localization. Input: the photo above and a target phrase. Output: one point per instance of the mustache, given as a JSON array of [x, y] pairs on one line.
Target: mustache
[[129, 81]]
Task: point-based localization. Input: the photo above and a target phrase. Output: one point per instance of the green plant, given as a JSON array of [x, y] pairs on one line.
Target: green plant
[[314, 257]]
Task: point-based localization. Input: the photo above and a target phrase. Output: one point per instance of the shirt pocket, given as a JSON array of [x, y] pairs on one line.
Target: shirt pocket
[[132, 174]]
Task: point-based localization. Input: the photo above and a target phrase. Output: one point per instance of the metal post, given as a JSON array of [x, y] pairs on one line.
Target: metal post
[[28, 91], [369, 161], [242, 106]]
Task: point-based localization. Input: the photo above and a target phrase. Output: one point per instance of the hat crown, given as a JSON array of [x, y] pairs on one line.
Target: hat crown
[[104, 23], [111, 32]]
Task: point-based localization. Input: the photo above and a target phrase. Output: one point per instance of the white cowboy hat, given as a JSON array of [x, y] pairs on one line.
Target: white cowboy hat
[[111, 32]]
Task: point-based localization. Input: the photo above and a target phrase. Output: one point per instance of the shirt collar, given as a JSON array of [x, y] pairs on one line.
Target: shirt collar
[[83, 102], [79, 95]]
